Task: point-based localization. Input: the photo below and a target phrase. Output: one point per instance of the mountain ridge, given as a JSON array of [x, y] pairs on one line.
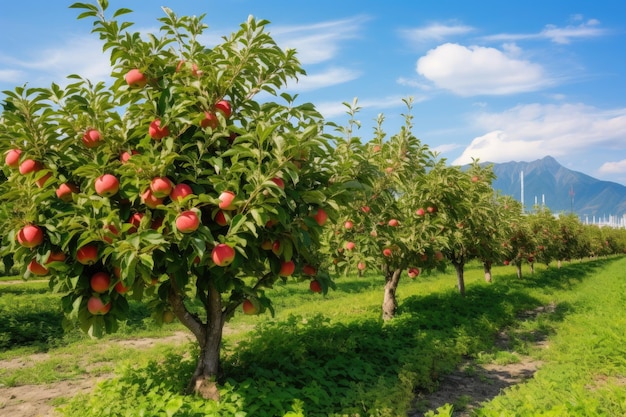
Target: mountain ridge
[[561, 189]]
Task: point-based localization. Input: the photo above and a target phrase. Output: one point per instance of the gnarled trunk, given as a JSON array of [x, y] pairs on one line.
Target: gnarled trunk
[[459, 267], [390, 304], [518, 268], [487, 269], [209, 337]]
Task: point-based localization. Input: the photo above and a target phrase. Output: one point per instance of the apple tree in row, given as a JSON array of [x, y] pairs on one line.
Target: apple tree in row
[[380, 228], [172, 184]]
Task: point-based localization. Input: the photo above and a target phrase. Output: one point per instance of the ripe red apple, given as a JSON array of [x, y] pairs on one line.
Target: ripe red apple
[[320, 216], [210, 120], [506, 262], [387, 252], [531, 259], [223, 106], [100, 282], [475, 178], [348, 225], [65, 190], [431, 209], [96, 307], [438, 256], [413, 272], [420, 212], [361, 266], [309, 270], [92, 138], [30, 236], [125, 156], [135, 78], [161, 186], [376, 148], [88, 254], [36, 268], [226, 200], [150, 200], [12, 158], [180, 191], [109, 231], [315, 286], [135, 220], [121, 288], [187, 221], [107, 185], [393, 223], [277, 249], [156, 131], [279, 182], [287, 268], [220, 218], [29, 165], [249, 308], [42, 180], [350, 245], [56, 257], [223, 255]]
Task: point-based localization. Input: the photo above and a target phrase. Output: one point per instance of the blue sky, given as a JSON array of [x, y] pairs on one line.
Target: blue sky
[[503, 81]]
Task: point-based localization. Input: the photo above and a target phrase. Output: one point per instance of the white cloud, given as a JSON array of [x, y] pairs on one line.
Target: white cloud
[[618, 167], [478, 70], [533, 131], [319, 42], [319, 80], [560, 35], [435, 32]]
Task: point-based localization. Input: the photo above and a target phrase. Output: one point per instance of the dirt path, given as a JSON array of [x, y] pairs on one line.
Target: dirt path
[[36, 400]]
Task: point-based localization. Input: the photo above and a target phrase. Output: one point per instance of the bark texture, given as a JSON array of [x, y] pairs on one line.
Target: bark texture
[[390, 303]]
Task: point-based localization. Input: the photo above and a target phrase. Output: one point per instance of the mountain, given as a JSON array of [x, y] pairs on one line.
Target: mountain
[[562, 189]]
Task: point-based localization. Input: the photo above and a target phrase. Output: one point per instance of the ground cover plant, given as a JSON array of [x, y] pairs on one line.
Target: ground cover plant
[[336, 356]]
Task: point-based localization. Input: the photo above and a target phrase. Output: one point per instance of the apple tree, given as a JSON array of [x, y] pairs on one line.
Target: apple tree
[[380, 229], [167, 184]]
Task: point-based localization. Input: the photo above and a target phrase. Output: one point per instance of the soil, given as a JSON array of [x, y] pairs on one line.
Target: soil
[[472, 384]]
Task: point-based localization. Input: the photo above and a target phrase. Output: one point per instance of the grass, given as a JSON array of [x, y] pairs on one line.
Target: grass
[[333, 355]]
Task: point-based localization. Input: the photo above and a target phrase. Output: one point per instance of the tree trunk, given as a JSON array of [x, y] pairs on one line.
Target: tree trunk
[[518, 268], [487, 269], [459, 266], [390, 304], [209, 337]]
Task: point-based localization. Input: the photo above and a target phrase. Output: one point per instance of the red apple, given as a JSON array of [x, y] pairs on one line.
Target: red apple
[[365, 209], [187, 221], [30, 236], [315, 286], [279, 182], [320, 216], [109, 231], [393, 223], [88, 254], [12, 159], [438, 256], [226, 200], [277, 248], [156, 131], [125, 156], [180, 191], [96, 307], [92, 138], [387, 252], [420, 212], [65, 190], [309, 270], [42, 180], [266, 244], [223, 255], [151, 200], [107, 185], [29, 165], [431, 209], [36, 268], [348, 224], [249, 308], [220, 218], [161, 186], [135, 220], [100, 282], [56, 257], [287, 268], [475, 178], [506, 262], [413, 272], [350, 245], [135, 78], [361, 266], [210, 120], [223, 106], [121, 288]]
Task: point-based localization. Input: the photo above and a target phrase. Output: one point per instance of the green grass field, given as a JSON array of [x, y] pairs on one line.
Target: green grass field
[[334, 356]]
